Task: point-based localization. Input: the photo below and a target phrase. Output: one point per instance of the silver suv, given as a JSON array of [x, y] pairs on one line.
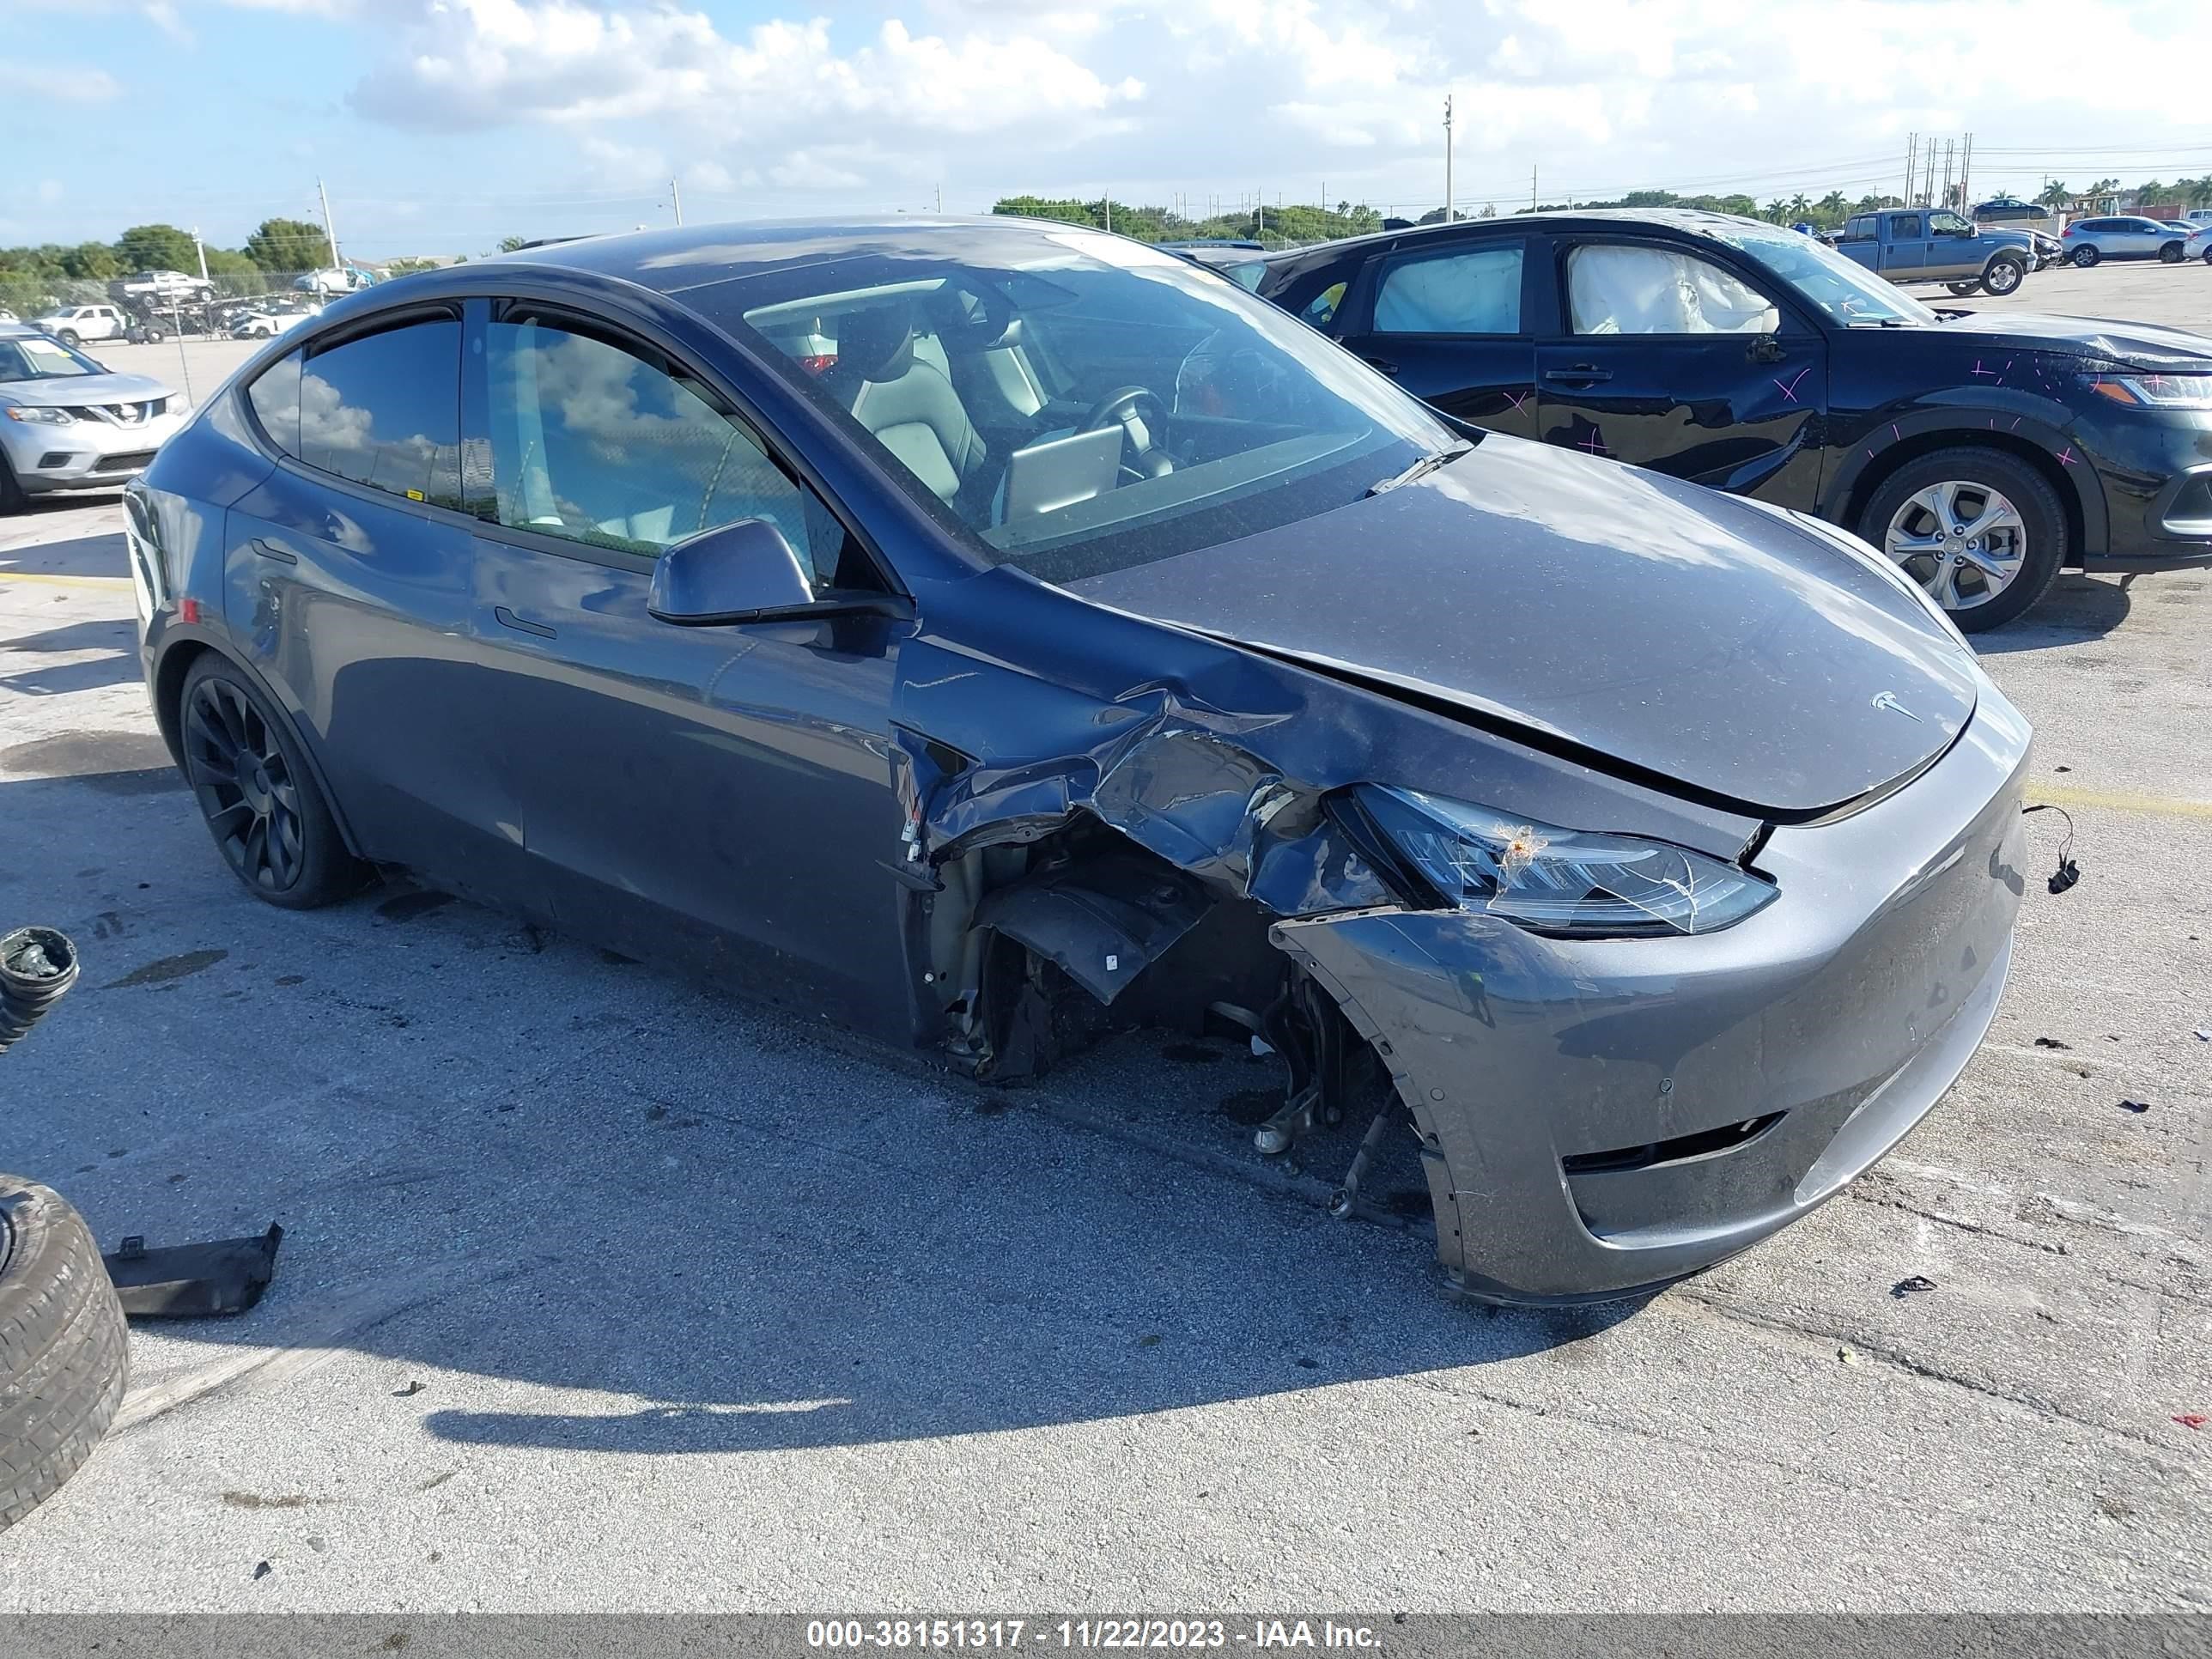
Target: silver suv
[[67, 423]]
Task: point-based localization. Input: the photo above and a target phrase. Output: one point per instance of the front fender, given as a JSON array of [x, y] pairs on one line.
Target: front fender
[[2000, 416]]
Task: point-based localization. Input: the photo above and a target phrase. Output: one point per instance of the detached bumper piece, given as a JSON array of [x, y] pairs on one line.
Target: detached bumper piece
[[193, 1281]]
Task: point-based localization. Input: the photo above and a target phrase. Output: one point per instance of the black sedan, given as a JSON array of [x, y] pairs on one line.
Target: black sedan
[[987, 634], [1982, 451]]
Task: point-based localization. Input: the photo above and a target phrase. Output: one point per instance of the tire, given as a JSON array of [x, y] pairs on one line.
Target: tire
[[2208, 256], [63, 1351], [69, 337], [2002, 276], [1962, 288], [2084, 257], [256, 793], [2039, 516], [2172, 253], [14, 498]]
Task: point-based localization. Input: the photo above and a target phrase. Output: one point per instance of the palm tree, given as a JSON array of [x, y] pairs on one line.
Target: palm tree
[[1834, 204], [1800, 205], [2055, 194]]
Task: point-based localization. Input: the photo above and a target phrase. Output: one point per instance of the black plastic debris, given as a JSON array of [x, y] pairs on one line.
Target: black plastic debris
[[414, 1387], [2138, 1107], [193, 1281], [1912, 1286], [2067, 872], [2052, 1043], [262, 1569]]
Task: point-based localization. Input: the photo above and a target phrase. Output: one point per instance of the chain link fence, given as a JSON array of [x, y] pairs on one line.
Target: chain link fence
[[166, 305]]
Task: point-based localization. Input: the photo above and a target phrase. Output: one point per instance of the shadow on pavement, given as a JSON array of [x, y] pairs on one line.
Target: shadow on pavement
[[118, 664]]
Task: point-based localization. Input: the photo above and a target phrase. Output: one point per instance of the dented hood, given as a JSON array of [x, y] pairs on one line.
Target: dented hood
[[2090, 336], [1648, 624]]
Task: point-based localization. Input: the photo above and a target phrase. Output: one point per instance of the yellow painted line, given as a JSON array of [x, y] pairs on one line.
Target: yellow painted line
[[102, 582], [2119, 800]]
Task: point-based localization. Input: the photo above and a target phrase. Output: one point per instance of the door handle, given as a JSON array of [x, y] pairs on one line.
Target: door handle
[[1380, 363], [1580, 374], [270, 551], [520, 624]]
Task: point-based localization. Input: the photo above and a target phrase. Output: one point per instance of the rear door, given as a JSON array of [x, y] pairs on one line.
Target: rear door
[[1904, 256], [1667, 357], [349, 574], [1450, 319], [721, 794]]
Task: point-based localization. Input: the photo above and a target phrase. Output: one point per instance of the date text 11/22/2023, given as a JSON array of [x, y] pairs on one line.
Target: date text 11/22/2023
[[954, 1634]]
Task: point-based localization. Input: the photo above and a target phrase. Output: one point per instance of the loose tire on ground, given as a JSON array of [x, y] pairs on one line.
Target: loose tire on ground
[[2043, 518], [62, 1349]]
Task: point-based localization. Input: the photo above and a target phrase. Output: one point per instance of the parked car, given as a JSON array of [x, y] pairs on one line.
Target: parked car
[[1934, 244], [263, 322], [338, 279], [2047, 248], [2199, 245], [165, 288], [2125, 237], [75, 324], [1080, 641], [2011, 210], [1982, 451], [67, 423]]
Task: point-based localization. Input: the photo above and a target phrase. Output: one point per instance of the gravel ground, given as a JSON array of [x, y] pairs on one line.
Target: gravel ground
[[599, 1289]]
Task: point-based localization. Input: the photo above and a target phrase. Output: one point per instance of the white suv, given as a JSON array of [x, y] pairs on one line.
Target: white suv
[[173, 286], [75, 324]]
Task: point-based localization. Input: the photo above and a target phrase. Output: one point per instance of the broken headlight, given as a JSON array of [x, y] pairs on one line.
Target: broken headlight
[[1564, 881]]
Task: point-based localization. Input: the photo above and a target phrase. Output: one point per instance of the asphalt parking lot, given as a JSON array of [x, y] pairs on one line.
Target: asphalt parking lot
[[602, 1289]]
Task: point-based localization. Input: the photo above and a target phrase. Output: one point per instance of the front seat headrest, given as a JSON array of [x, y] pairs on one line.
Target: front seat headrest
[[876, 343]]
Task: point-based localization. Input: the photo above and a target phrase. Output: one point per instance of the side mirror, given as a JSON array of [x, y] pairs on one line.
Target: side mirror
[[741, 572]]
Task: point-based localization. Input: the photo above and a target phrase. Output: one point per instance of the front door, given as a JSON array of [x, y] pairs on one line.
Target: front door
[[1447, 321], [1953, 251], [1667, 360], [719, 795]]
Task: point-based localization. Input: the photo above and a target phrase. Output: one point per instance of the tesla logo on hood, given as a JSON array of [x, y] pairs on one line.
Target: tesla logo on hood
[[1888, 700]]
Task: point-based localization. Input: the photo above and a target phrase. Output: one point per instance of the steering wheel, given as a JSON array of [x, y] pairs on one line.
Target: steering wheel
[[1135, 410]]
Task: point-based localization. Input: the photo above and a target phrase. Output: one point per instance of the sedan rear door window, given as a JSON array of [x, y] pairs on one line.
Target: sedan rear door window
[[1452, 291], [618, 447], [384, 410], [1613, 289]]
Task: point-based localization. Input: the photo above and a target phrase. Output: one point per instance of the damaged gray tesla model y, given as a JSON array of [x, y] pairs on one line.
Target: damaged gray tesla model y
[[992, 633]]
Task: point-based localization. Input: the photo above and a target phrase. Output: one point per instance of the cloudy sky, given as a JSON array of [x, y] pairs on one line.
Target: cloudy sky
[[440, 125]]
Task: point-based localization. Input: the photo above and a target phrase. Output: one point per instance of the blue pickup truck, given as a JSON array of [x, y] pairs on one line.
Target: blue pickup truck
[[1935, 245]]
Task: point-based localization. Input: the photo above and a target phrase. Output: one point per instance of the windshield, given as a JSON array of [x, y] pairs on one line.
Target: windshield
[[31, 357], [1838, 285], [1075, 403]]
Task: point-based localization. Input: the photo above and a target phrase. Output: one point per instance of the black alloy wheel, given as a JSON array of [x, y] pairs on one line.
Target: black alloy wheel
[[261, 803]]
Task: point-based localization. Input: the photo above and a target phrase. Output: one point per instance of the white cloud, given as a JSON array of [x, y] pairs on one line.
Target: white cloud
[[992, 97], [63, 84], [163, 16], [50, 190]]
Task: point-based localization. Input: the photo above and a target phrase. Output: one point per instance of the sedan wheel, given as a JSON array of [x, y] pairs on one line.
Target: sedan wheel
[[1963, 542], [2085, 256], [2172, 253], [261, 805], [1982, 530]]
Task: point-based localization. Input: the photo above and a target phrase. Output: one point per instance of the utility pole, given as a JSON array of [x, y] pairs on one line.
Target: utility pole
[[940, 198], [1965, 172], [1110, 207], [676, 200], [329, 231], [1447, 158], [1532, 189], [200, 248], [1911, 163]]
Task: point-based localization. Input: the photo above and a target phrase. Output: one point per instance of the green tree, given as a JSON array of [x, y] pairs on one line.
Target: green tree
[[234, 274], [1041, 207], [156, 248], [91, 262], [2055, 194], [289, 244], [409, 267], [513, 244]]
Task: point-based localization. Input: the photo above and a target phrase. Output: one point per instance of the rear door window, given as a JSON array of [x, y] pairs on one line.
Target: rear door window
[[1457, 290], [384, 410]]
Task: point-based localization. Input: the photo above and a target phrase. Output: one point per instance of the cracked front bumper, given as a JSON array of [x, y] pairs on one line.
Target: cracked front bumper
[[1599, 1117]]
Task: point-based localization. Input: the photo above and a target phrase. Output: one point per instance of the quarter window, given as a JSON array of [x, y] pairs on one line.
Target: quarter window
[[384, 410], [1618, 289], [619, 448], [1461, 291], [275, 395]]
